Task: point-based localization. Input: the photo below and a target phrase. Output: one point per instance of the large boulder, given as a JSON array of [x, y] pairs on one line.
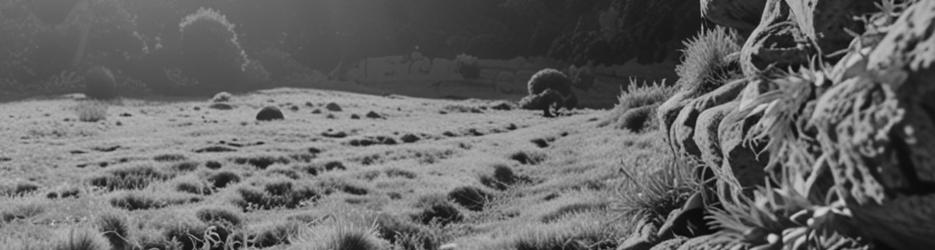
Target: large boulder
[[742, 161], [706, 133], [682, 130], [881, 149], [816, 28]]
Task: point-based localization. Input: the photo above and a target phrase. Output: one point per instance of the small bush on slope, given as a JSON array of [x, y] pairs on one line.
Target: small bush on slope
[[274, 193], [637, 104], [708, 62], [656, 193]]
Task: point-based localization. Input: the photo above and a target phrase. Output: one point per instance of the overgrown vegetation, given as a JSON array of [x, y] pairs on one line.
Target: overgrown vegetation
[[637, 104]]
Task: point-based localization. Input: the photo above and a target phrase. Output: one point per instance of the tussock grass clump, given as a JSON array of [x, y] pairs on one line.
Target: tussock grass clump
[[275, 193], [64, 192], [91, 111], [342, 235], [707, 61], [170, 158], [656, 193], [219, 214], [396, 172], [529, 157], [223, 178], [502, 178], [262, 162], [115, 229], [186, 232], [573, 234], [80, 239], [192, 184], [437, 209], [406, 235], [18, 187], [472, 198], [283, 170], [129, 177], [141, 200], [187, 166], [637, 105], [276, 233], [330, 185]]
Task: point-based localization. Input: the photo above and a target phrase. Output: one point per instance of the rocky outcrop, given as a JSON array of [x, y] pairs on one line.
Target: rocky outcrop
[[850, 145]]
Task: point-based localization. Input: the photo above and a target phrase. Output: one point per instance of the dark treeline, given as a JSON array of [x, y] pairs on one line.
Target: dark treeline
[[318, 34]]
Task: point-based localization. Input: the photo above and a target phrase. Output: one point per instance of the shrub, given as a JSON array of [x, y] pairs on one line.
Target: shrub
[[115, 228], [192, 185], [80, 239], [502, 178], [707, 63], [129, 177], [345, 237], [437, 209], [549, 79], [212, 52], [471, 198], [279, 233], [100, 84], [223, 179], [275, 194], [331, 184], [91, 111], [656, 193], [637, 105], [529, 158]]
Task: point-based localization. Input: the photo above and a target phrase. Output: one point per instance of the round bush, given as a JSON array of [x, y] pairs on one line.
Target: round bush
[[549, 79], [270, 113], [100, 84]]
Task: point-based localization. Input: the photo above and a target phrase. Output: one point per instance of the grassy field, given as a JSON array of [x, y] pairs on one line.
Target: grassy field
[[384, 172]]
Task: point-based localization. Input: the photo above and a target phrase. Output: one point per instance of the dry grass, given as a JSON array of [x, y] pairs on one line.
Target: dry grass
[[157, 189]]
